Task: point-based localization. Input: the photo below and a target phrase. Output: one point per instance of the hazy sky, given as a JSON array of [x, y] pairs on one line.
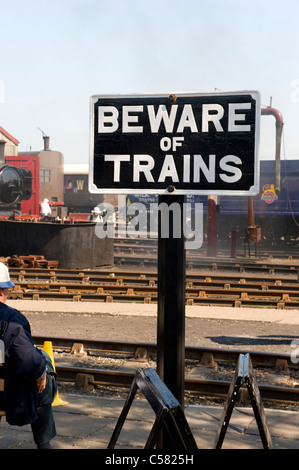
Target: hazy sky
[[56, 54]]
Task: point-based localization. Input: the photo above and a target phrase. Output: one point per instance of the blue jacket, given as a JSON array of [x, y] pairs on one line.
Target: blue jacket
[[24, 364]]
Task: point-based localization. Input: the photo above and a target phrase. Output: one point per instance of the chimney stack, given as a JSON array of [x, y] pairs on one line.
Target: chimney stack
[[2, 151], [46, 142]]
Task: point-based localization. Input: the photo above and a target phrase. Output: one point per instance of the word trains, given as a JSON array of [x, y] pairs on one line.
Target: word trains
[[144, 164]]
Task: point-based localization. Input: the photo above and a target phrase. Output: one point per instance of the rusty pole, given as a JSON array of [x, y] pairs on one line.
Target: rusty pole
[[212, 226]]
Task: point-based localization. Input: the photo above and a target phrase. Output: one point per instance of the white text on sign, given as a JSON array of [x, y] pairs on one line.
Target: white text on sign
[[108, 118], [144, 164], [108, 121]]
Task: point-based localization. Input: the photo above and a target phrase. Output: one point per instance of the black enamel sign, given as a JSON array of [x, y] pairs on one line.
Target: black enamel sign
[[178, 144]]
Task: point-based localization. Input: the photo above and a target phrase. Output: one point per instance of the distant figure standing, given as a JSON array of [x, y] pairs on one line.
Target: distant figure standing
[[96, 215], [45, 208]]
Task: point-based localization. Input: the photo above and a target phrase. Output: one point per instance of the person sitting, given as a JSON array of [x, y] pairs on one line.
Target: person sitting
[[29, 378]]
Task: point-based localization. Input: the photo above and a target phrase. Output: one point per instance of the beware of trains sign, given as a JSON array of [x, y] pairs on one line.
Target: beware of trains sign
[[179, 144]]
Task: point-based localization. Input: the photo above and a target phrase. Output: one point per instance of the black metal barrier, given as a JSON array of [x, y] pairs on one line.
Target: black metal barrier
[[244, 376], [170, 416], [168, 412]]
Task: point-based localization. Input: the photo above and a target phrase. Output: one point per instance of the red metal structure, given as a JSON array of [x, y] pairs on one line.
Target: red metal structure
[[30, 207]]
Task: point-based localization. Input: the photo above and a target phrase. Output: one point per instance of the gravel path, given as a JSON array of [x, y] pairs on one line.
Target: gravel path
[[206, 332]]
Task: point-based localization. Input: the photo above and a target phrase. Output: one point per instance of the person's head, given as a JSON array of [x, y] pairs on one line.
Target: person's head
[[5, 282], [96, 211]]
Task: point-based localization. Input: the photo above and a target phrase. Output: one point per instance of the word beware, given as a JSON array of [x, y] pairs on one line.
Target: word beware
[[108, 118]]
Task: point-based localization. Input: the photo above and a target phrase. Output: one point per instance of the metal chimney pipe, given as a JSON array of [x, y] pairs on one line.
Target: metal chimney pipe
[[46, 142], [2, 151]]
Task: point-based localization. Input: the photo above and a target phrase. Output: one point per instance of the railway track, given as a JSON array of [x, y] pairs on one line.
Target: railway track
[[108, 275], [199, 262], [144, 352], [209, 388], [135, 349], [129, 247], [224, 282], [146, 247], [144, 252], [214, 288]]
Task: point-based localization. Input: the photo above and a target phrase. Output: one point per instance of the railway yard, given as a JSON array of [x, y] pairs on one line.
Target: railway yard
[[102, 323]]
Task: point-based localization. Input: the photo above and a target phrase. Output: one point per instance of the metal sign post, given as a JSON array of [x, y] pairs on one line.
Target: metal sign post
[[171, 303]]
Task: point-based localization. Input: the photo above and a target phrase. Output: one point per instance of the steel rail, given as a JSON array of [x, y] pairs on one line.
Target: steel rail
[[200, 354], [236, 290], [89, 281], [214, 388], [199, 263], [130, 247], [237, 296], [101, 275], [142, 249], [199, 281]]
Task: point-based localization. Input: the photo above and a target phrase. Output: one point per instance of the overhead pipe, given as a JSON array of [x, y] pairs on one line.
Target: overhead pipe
[[279, 125], [253, 232]]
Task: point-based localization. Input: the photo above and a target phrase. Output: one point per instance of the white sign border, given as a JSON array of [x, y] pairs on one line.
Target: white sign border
[[253, 191]]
